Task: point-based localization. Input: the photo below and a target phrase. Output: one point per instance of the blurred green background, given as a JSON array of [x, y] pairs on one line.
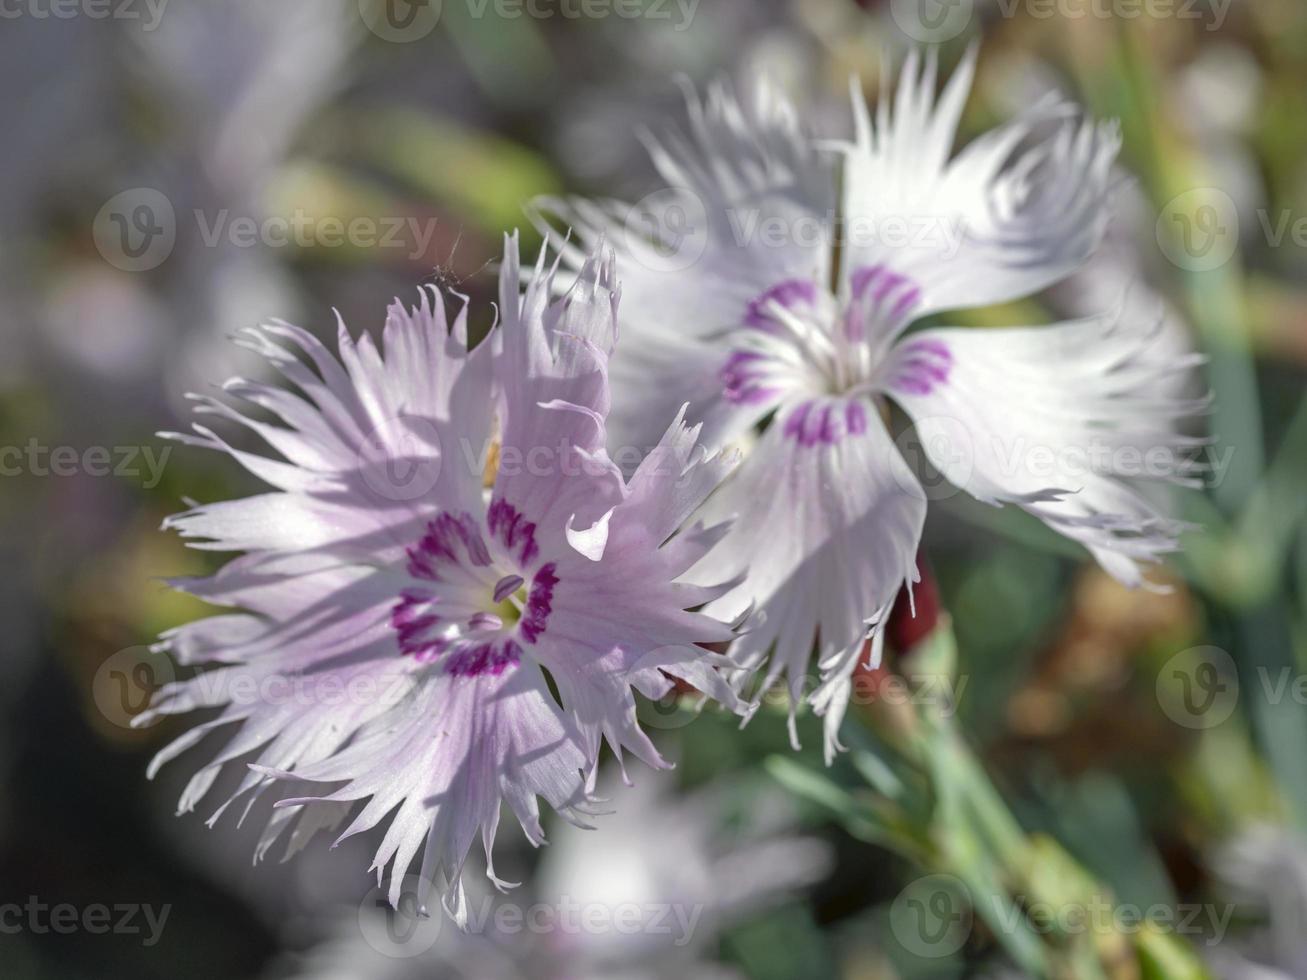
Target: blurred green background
[[313, 156]]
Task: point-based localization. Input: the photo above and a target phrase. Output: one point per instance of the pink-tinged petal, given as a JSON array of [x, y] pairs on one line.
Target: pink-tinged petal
[[1069, 422], [553, 462], [607, 615], [439, 766], [367, 451], [672, 481]]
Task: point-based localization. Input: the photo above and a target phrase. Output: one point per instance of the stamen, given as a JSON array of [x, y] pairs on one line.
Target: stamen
[[506, 586]]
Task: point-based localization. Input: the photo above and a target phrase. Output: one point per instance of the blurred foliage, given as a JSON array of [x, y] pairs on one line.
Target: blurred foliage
[[1059, 775]]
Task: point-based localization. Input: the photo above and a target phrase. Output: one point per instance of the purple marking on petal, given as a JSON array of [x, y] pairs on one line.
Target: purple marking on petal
[[927, 365], [429, 651], [740, 376], [889, 282], [468, 660], [473, 543], [789, 293], [539, 603], [797, 422], [868, 304], [913, 385], [826, 433], [924, 368], [742, 364], [411, 618], [494, 514], [441, 545], [411, 630], [855, 418], [473, 660], [418, 565], [512, 530], [407, 609], [825, 425], [753, 396], [935, 348], [464, 657], [906, 302], [864, 276]]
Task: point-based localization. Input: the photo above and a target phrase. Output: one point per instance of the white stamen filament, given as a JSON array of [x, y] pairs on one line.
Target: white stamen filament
[[830, 352]]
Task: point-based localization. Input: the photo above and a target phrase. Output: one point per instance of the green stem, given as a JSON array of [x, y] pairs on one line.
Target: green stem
[[973, 835]]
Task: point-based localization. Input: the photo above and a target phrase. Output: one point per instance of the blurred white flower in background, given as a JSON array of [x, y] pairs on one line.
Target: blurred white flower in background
[[673, 859], [226, 90], [656, 850], [242, 80], [1264, 871]]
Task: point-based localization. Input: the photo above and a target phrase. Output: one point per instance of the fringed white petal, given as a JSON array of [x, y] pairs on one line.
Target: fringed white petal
[[828, 532], [1071, 422], [1015, 211]]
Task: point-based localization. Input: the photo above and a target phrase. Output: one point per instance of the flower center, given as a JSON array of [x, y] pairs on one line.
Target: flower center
[[797, 338], [473, 606]]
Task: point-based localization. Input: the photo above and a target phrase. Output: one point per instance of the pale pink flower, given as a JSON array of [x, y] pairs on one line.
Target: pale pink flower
[[381, 567]]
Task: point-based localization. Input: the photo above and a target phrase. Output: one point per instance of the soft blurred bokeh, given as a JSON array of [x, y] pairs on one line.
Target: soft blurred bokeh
[[173, 172]]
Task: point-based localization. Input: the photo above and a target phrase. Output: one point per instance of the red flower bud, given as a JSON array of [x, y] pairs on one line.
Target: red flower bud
[[904, 630]]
